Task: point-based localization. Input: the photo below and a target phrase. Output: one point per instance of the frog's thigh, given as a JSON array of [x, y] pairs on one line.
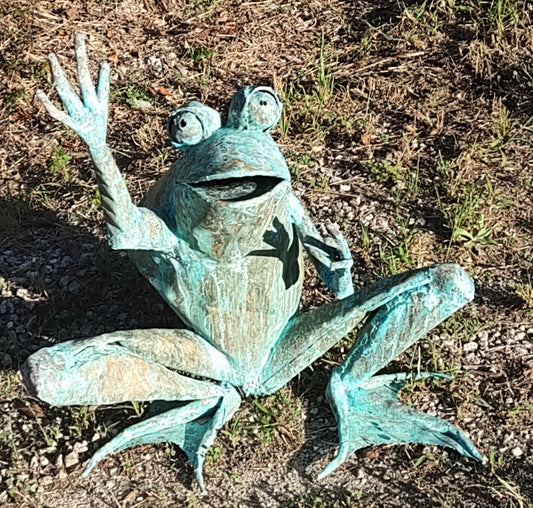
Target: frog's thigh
[[427, 295], [178, 349], [402, 321], [112, 368]]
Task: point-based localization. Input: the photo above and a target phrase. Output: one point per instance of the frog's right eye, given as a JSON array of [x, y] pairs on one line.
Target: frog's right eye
[[191, 123], [254, 108]]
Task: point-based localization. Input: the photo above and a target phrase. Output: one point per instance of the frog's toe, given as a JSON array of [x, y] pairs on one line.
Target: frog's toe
[[192, 426], [370, 414]]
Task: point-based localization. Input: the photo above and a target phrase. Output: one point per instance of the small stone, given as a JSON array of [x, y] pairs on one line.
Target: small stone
[[155, 63], [81, 447], [22, 293], [73, 287], [7, 361], [483, 335], [470, 346], [34, 462], [71, 459], [141, 104], [65, 261], [47, 480], [517, 452], [60, 464]]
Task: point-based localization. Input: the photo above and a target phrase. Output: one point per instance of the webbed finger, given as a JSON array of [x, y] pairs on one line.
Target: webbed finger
[[84, 75], [334, 231], [103, 83], [343, 264], [66, 93], [55, 113], [337, 240]]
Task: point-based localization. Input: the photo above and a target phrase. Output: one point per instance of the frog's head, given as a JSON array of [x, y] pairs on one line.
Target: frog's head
[[236, 162], [231, 178]]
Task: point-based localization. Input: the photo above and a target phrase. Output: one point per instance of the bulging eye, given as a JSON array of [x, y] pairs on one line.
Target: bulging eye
[[254, 108], [191, 123], [185, 128]]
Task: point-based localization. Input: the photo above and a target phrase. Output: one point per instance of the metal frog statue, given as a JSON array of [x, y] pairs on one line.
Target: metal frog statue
[[221, 237]]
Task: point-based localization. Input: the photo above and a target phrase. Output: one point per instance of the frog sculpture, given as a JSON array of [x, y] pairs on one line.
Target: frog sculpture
[[221, 237]]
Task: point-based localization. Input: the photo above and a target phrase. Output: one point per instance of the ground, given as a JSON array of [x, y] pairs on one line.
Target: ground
[[407, 122]]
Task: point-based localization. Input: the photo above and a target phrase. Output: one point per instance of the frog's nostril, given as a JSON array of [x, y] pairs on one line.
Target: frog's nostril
[[183, 124], [263, 103]]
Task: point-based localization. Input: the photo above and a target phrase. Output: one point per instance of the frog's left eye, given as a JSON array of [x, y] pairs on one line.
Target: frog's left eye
[[191, 123], [254, 108]]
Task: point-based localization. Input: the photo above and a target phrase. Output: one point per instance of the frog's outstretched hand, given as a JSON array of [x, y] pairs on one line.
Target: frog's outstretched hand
[[87, 116], [340, 261], [330, 254], [129, 226]]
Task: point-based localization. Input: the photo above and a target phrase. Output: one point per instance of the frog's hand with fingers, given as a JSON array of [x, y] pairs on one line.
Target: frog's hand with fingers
[[221, 237], [129, 227]]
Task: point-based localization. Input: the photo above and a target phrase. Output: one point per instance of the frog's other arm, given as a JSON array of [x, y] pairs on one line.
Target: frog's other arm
[[330, 256], [129, 226]]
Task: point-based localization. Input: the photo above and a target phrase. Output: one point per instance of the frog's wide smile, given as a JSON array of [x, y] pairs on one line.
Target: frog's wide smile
[[237, 188]]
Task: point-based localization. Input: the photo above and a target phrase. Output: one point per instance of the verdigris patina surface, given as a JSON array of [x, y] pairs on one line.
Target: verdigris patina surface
[[221, 236]]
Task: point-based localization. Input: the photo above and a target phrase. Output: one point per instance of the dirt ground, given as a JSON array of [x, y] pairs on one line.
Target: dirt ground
[[409, 123]]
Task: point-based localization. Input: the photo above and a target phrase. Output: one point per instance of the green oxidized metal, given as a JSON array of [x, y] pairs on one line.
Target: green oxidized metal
[[221, 236]]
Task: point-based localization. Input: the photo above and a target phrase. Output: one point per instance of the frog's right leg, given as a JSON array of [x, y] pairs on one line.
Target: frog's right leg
[[142, 365], [399, 310]]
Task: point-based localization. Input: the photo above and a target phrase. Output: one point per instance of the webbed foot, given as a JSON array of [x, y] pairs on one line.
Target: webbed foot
[[369, 413], [192, 426]]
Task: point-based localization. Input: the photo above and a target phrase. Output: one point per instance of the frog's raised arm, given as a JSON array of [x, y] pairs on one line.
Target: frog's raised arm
[[129, 226], [331, 255]]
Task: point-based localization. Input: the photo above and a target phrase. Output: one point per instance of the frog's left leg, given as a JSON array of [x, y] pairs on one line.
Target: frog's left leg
[[142, 365], [401, 310], [193, 426]]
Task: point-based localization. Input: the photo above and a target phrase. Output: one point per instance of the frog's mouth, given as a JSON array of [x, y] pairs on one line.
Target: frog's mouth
[[237, 189]]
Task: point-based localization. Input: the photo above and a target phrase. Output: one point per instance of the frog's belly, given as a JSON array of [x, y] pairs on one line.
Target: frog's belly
[[240, 308]]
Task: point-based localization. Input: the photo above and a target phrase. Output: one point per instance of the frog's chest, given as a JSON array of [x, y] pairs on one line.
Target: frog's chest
[[241, 306]]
